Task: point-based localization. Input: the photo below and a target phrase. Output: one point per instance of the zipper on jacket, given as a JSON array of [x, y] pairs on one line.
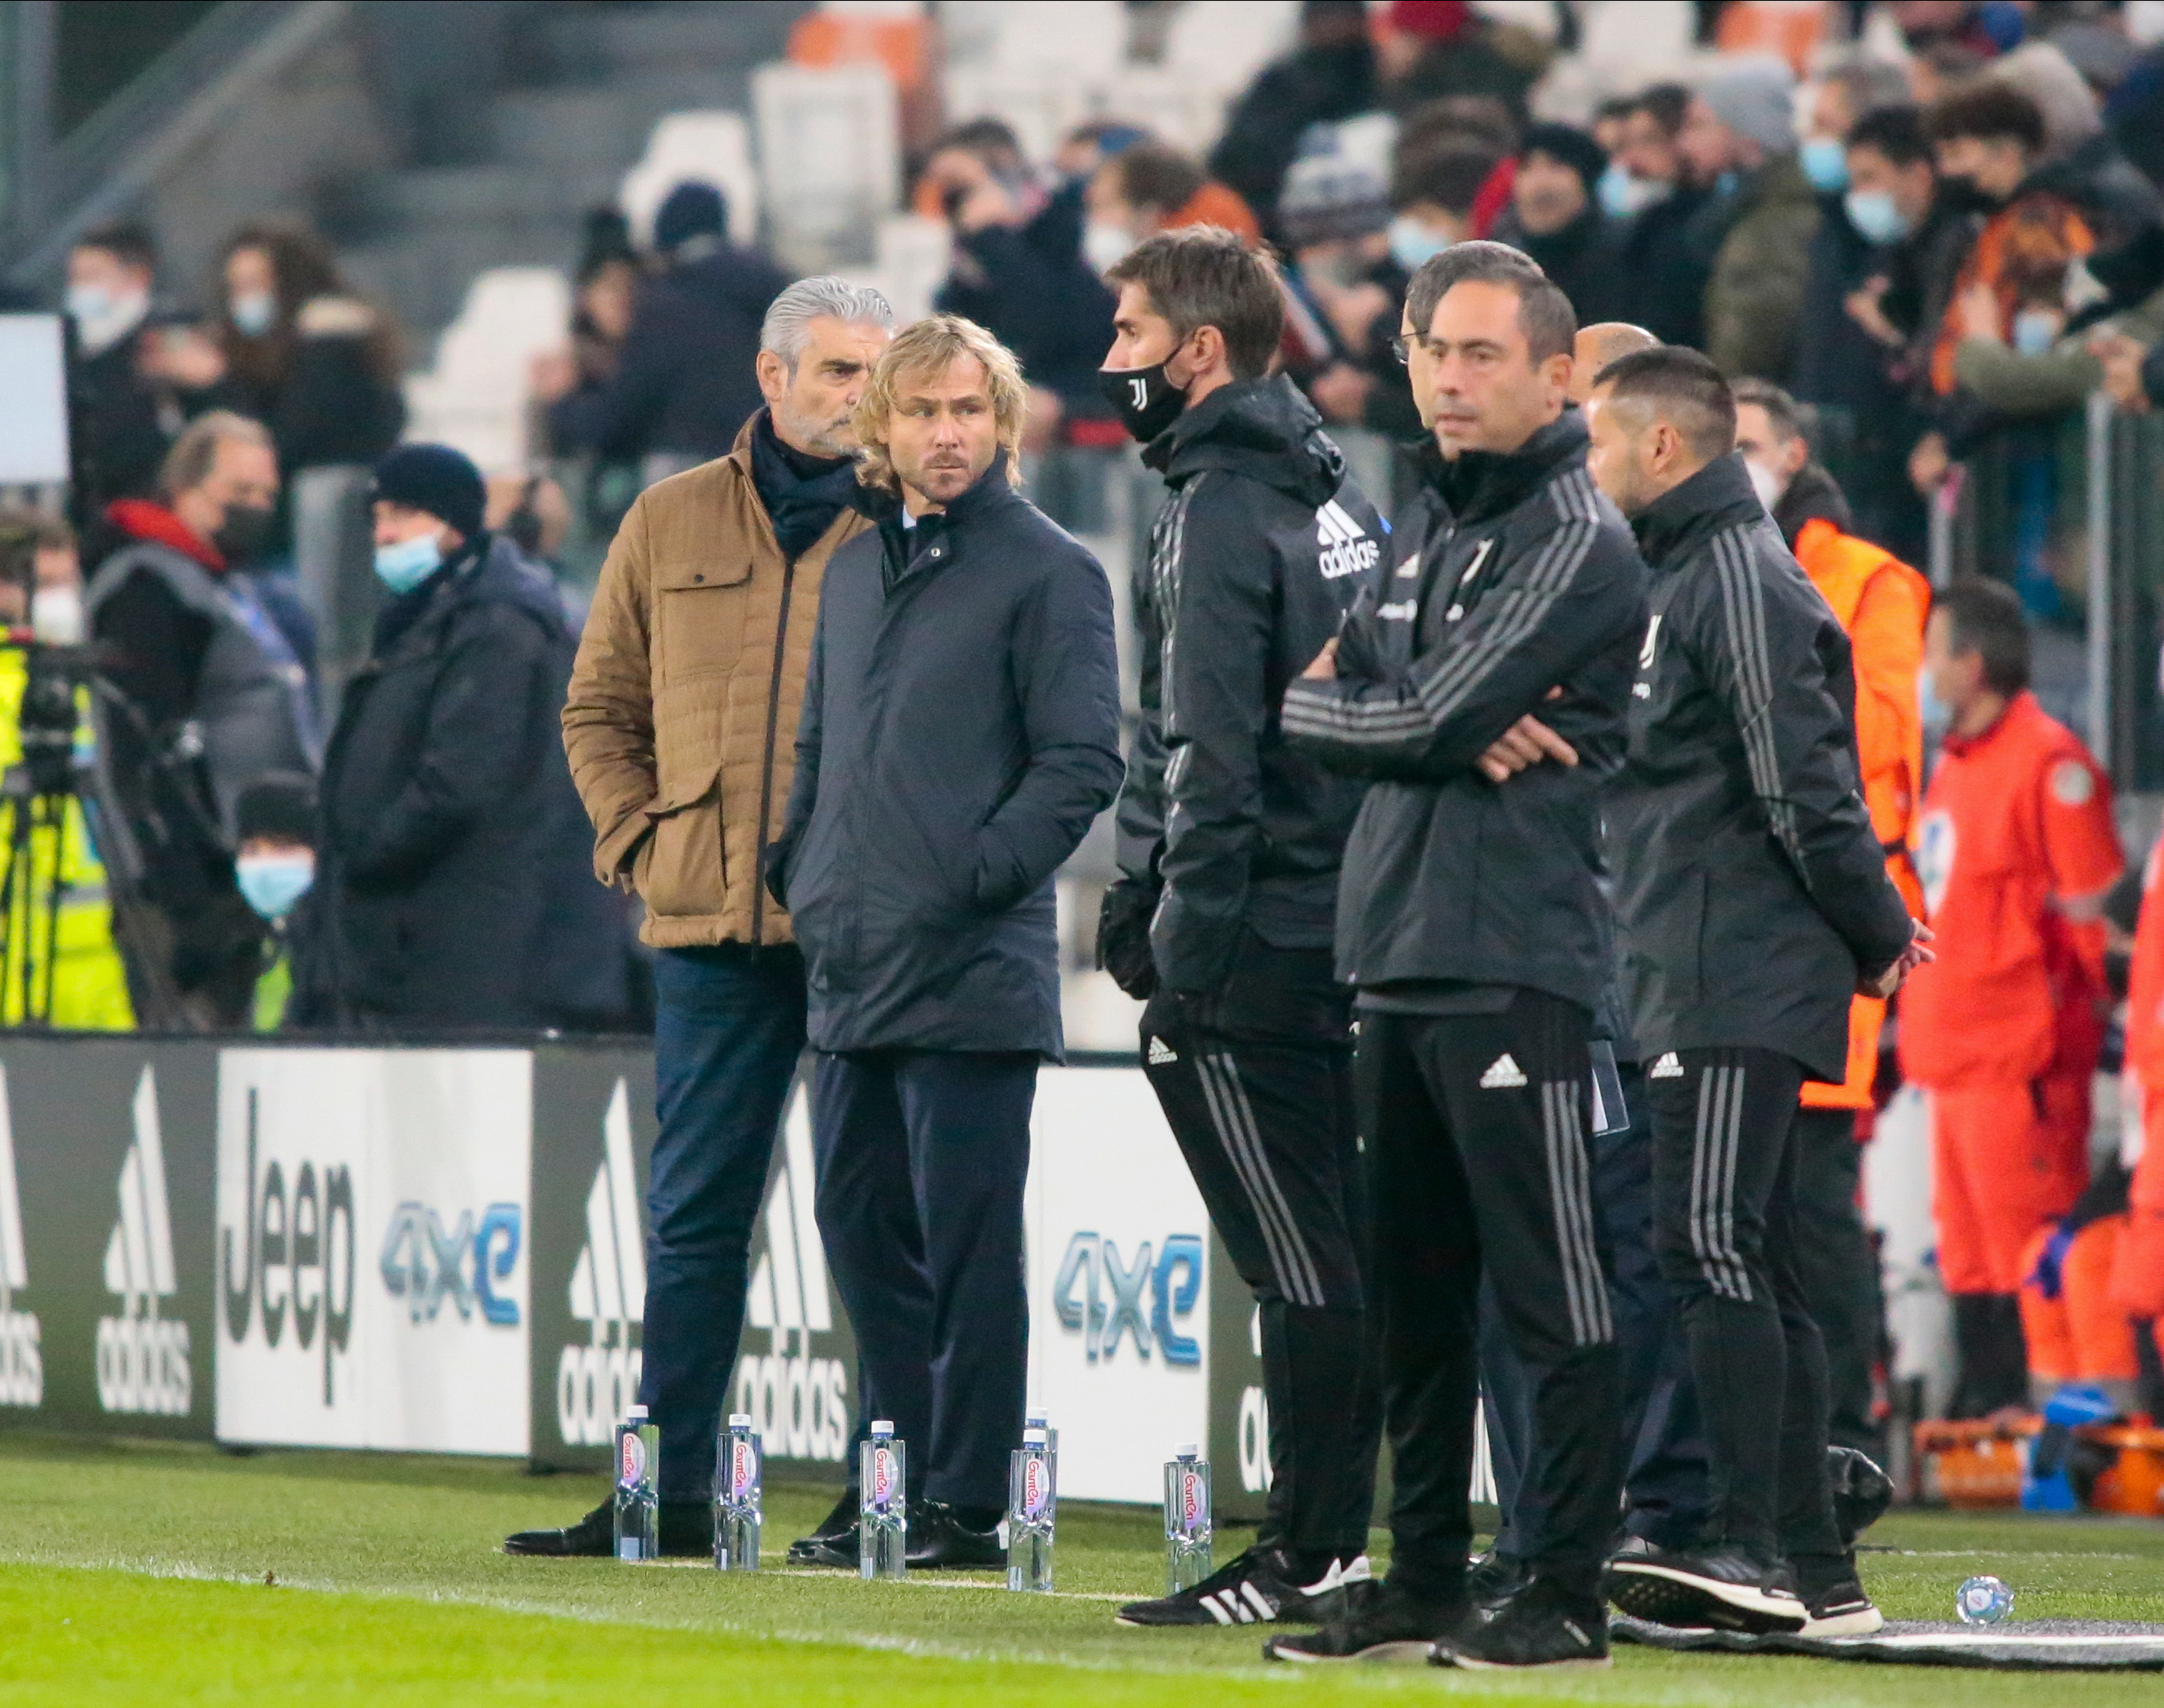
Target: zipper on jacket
[[766, 763]]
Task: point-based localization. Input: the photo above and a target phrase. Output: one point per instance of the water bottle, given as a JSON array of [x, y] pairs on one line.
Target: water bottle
[[737, 1466], [1038, 1420], [638, 1506], [882, 1520], [1186, 1519], [1983, 1601], [1030, 1503]]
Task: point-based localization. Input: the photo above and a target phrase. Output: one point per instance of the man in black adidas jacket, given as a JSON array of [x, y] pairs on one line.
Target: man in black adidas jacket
[[1470, 917], [1230, 844], [1752, 902]]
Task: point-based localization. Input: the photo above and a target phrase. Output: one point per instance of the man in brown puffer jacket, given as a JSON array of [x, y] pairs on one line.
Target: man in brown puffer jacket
[[681, 727]]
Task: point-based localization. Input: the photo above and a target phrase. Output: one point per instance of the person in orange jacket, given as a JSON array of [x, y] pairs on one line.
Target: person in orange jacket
[[2136, 1279], [2016, 850], [1881, 603]]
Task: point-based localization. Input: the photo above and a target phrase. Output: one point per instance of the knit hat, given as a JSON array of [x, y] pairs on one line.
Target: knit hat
[[691, 210], [1571, 146], [436, 479], [279, 807], [1754, 95], [1327, 198]]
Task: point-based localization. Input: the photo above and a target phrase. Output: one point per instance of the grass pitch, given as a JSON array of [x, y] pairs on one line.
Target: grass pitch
[[138, 1573]]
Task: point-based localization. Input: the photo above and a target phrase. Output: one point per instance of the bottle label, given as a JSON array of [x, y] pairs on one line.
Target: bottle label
[[882, 1477], [633, 1449], [1191, 1501], [743, 1470], [1035, 1487]]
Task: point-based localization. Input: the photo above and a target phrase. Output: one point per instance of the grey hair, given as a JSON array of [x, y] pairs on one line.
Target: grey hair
[[1868, 81], [787, 327]]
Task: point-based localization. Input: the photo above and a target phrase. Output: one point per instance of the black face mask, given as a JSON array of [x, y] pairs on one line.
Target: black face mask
[[1964, 195], [241, 535], [1148, 401]]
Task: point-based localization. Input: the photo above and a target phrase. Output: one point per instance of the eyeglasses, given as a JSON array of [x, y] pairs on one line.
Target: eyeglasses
[[1404, 344]]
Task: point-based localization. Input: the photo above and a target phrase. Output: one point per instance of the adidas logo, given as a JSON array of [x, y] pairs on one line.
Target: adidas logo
[[595, 1383], [1161, 1053], [1245, 1606], [1347, 549], [1667, 1068], [1503, 1075], [798, 1404], [22, 1361], [143, 1361]]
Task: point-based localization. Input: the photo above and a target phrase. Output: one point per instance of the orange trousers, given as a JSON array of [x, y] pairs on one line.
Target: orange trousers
[[2084, 1335], [2006, 1161]]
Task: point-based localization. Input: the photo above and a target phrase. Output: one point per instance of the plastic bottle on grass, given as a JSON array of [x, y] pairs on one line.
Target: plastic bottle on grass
[[737, 1518], [637, 1506], [883, 1519], [1984, 1600], [1186, 1519], [1030, 1508]]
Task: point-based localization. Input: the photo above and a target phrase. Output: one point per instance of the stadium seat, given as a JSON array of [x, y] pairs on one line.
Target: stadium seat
[[476, 397]]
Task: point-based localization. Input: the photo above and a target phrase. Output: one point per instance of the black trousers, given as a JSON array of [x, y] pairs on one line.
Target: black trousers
[[1664, 1488], [1475, 1127], [1839, 1270], [922, 1156], [1256, 1086], [1726, 1164]]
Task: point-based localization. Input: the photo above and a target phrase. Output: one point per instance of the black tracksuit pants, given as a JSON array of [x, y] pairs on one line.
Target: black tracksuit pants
[[1475, 1127], [1725, 1165], [1256, 1086], [1839, 1270]]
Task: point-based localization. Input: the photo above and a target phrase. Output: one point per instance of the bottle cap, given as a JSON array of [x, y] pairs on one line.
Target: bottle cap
[[740, 1420], [883, 1425], [636, 1414], [1032, 1437], [1037, 1420], [1186, 1450]]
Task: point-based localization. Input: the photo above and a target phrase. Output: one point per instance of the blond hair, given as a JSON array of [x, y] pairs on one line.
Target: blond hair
[[929, 346], [188, 464]]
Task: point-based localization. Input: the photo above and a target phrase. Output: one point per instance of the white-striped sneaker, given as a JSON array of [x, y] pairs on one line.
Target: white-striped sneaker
[[1260, 1587]]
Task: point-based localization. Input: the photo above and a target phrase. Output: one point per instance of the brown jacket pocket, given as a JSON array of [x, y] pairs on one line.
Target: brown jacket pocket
[[681, 870]]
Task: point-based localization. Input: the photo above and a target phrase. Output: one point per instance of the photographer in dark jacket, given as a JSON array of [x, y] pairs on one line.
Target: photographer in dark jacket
[[1230, 844], [454, 855], [1753, 901], [959, 733], [1471, 918]]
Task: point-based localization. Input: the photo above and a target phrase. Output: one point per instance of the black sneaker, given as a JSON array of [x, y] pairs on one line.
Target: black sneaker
[[1539, 1627], [1833, 1601], [1261, 1585], [944, 1538], [1494, 1578], [687, 1531], [1391, 1627], [834, 1542], [1862, 1492], [1724, 1588]]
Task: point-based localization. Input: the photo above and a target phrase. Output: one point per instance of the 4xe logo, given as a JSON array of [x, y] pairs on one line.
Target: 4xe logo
[[142, 1359], [1112, 1302], [597, 1383], [21, 1363], [425, 1266], [290, 1263]]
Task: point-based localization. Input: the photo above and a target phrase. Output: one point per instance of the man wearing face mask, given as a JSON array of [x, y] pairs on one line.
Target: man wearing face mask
[[115, 435], [454, 891], [276, 869], [1230, 844], [210, 695]]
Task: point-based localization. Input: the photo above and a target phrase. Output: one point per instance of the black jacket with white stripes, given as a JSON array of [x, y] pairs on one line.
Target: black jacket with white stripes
[[1750, 886], [1253, 563], [1513, 577]]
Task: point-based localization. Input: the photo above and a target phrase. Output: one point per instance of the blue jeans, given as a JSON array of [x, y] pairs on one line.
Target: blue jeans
[[729, 1029]]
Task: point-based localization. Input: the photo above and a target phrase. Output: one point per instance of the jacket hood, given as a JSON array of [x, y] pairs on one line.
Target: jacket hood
[[139, 518], [1812, 495], [1478, 484], [505, 575], [1718, 496], [1262, 428]]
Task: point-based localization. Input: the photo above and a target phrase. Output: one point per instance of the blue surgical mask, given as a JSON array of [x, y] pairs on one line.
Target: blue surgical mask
[[1412, 242], [404, 567], [102, 317], [2035, 330], [254, 312], [272, 883], [1824, 162], [1727, 183], [1876, 218], [1623, 193]]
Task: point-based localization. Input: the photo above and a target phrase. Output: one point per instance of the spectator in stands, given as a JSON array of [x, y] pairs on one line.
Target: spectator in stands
[[1651, 185], [604, 298], [1609, 119], [457, 894], [2078, 158], [115, 434], [189, 643], [681, 389], [1432, 188], [1151, 187], [1739, 135], [1019, 270], [1840, 369], [1331, 76], [1344, 289], [1556, 217], [275, 825], [1433, 48], [2015, 377]]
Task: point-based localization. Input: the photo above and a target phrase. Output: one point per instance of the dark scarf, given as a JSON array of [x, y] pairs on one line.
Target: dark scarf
[[802, 493]]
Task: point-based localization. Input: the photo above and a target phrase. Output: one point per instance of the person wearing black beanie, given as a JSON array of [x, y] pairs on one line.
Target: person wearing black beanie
[[1555, 218]]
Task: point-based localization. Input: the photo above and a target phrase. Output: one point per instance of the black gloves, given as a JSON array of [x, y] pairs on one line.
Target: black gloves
[[1123, 944]]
